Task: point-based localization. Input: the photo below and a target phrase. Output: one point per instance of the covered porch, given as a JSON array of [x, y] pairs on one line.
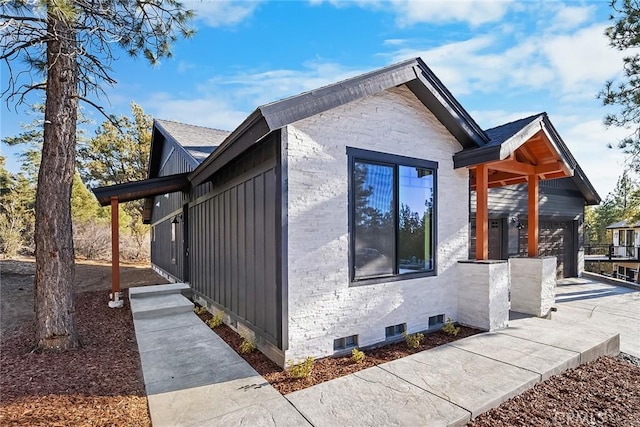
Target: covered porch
[[113, 195], [526, 151]]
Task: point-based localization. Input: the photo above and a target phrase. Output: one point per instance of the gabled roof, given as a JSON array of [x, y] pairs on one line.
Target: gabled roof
[[413, 73], [624, 224], [507, 138], [500, 134], [196, 142]]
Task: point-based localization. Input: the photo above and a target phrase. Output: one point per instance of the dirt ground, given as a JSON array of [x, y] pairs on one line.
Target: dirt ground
[[16, 285], [99, 384]]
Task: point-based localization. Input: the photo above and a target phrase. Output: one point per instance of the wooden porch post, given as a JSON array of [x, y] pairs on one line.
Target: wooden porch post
[[482, 216], [533, 203], [115, 301]]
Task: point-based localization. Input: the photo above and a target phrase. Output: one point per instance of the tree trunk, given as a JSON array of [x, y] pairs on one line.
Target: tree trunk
[[55, 272]]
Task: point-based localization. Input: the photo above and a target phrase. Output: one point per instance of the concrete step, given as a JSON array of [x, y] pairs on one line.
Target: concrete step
[[160, 305], [171, 288]]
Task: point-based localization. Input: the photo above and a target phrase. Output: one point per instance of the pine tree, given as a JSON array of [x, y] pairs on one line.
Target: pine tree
[[71, 44]]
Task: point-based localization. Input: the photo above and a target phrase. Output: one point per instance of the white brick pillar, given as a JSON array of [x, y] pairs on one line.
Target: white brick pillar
[[533, 284], [483, 294]]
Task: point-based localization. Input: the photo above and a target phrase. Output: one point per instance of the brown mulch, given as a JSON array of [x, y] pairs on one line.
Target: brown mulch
[[330, 368], [605, 392], [98, 385]]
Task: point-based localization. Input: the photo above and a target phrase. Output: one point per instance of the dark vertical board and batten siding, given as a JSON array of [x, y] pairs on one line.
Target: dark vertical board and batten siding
[[235, 249], [173, 160]]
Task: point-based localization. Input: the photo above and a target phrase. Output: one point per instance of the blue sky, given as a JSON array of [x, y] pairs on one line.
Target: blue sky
[[502, 60]]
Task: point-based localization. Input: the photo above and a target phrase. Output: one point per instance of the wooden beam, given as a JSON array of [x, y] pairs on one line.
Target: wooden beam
[[548, 168], [482, 216], [501, 183], [115, 255], [533, 204], [526, 153], [513, 166]]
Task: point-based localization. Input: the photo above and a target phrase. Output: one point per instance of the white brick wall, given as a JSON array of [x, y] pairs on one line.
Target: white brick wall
[[322, 305], [533, 284], [484, 296]]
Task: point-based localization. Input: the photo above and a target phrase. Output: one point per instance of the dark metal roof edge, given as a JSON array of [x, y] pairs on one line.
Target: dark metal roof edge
[[281, 113], [243, 128], [474, 129], [494, 152], [475, 156], [143, 189], [286, 111]]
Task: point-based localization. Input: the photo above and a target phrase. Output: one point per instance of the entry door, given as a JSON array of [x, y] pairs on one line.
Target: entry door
[[496, 239], [556, 238]]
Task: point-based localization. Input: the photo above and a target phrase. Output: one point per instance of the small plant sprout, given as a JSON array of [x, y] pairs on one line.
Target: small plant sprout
[[199, 310], [357, 356], [247, 345], [413, 340], [450, 328], [215, 321], [301, 369]]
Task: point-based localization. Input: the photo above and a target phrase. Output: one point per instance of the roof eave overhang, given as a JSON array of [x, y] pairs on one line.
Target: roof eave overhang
[[252, 130], [493, 153], [414, 73], [146, 188]]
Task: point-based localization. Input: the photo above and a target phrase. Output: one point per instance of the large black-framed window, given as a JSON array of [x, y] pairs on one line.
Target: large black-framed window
[[392, 216]]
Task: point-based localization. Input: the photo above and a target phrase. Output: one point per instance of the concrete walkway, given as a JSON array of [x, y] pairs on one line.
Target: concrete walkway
[[193, 378], [601, 306]]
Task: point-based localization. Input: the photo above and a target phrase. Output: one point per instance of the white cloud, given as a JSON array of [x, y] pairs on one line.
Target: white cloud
[[572, 66], [587, 139], [225, 101], [570, 17], [473, 12], [583, 57], [221, 13], [411, 12], [261, 87], [491, 118], [210, 112]]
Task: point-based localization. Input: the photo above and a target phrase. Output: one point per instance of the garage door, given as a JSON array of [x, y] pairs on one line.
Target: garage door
[[555, 238]]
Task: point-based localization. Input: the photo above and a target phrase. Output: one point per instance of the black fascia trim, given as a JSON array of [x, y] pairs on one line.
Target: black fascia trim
[[476, 156], [354, 154]]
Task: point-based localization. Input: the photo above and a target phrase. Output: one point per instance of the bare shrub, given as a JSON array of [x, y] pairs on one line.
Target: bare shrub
[[92, 240]]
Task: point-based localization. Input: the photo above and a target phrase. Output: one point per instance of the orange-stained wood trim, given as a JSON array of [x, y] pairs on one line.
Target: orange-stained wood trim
[[115, 250], [495, 183], [526, 153], [513, 166], [482, 216], [548, 168], [533, 204]]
